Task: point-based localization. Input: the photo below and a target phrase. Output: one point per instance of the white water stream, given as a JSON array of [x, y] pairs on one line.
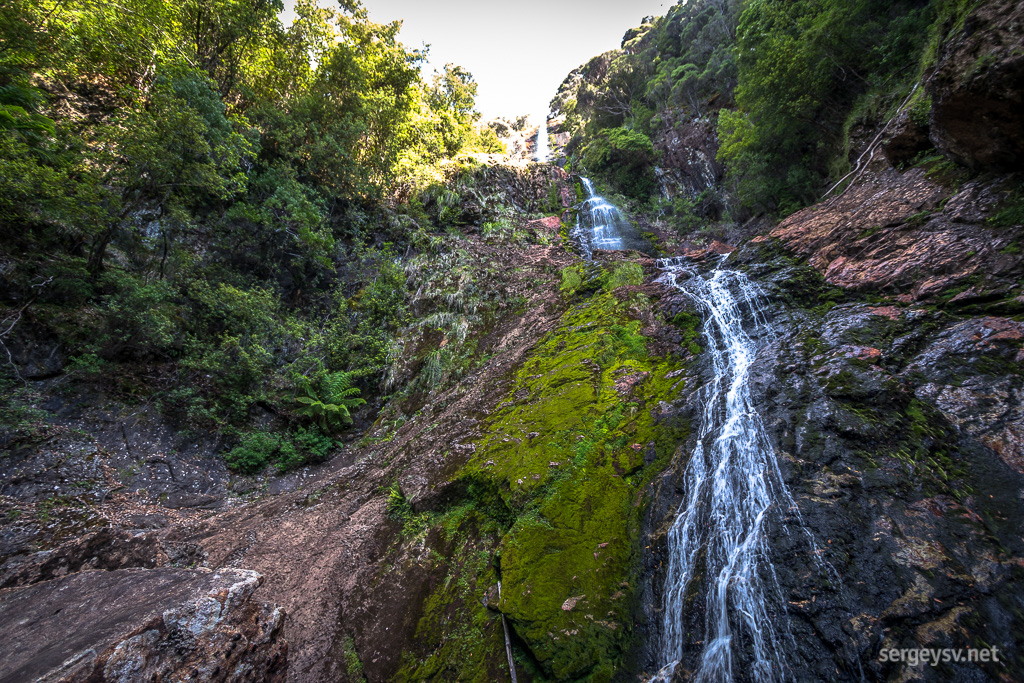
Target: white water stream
[[600, 225], [733, 486], [541, 150]]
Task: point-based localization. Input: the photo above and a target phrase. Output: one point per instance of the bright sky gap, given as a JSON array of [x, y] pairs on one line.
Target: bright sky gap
[[517, 52]]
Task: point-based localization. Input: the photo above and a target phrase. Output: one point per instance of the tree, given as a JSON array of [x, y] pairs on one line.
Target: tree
[[179, 152], [452, 97]]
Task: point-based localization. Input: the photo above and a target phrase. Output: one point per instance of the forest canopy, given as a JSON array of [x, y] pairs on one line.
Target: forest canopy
[[195, 191]]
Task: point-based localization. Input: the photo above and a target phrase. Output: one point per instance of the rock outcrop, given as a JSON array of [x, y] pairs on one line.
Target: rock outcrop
[[978, 90], [905, 233], [141, 624], [899, 429]]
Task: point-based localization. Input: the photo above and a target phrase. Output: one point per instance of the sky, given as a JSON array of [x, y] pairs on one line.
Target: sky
[[518, 51]]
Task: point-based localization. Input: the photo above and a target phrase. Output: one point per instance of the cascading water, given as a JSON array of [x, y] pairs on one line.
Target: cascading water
[[541, 149], [733, 488], [600, 225]]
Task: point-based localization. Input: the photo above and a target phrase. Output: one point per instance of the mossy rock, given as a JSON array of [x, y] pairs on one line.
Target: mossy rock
[[570, 449], [457, 637]]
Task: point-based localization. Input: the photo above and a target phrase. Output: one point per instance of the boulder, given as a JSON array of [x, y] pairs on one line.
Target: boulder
[[141, 624], [907, 138]]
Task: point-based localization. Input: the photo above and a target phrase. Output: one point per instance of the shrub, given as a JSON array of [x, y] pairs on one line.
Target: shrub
[[285, 451], [626, 157], [254, 452]]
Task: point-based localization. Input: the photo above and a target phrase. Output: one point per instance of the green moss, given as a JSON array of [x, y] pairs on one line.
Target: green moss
[[690, 325], [625, 274], [570, 457], [916, 435], [582, 278], [353, 665], [571, 280], [869, 232], [460, 638], [1010, 211], [551, 505]]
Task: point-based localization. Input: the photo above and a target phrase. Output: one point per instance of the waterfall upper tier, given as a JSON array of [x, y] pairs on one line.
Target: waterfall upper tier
[[541, 150]]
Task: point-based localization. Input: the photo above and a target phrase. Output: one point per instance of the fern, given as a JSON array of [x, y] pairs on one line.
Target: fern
[[330, 408]]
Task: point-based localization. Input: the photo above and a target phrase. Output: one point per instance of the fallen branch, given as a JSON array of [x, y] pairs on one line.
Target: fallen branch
[[870, 151]]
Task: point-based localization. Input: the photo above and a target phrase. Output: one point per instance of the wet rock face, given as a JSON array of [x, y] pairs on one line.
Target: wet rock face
[[131, 625], [978, 90], [105, 549], [898, 428], [688, 159], [97, 446], [907, 138], [989, 406]]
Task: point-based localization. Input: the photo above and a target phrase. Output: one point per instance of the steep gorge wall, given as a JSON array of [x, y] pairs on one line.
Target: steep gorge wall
[[892, 388]]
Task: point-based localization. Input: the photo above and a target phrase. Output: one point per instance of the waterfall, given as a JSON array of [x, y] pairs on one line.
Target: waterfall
[[600, 225], [541, 150], [733, 486]]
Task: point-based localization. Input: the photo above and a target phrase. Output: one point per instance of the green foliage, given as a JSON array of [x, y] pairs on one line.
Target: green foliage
[[483, 139], [671, 69], [285, 451], [218, 200], [20, 418], [451, 95], [787, 127], [458, 297], [399, 509], [255, 450], [626, 157], [329, 406], [679, 61]]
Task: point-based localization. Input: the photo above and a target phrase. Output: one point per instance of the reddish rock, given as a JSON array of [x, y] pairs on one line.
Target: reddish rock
[[862, 353], [1009, 444], [570, 603], [716, 248], [624, 384], [689, 148], [890, 312], [551, 224], [891, 232]]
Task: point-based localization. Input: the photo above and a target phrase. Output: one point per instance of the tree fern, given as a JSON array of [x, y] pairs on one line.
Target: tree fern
[[329, 407]]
